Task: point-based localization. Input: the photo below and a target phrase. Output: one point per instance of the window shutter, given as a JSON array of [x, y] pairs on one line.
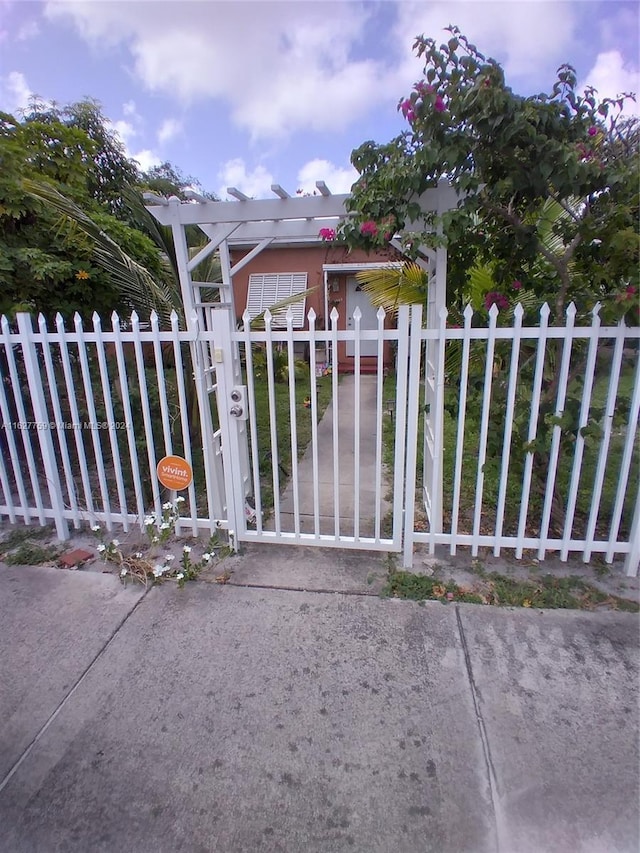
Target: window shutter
[[267, 289]]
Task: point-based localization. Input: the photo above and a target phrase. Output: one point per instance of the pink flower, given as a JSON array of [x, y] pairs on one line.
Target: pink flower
[[423, 88], [369, 228], [405, 106], [439, 105], [516, 285], [410, 115], [497, 299], [630, 291], [327, 233], [592, 131]]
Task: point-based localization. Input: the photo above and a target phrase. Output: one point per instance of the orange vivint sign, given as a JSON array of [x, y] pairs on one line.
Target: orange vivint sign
[[174, 472]]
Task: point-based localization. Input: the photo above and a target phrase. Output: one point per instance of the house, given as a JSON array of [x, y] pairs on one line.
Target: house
[[280, 271]]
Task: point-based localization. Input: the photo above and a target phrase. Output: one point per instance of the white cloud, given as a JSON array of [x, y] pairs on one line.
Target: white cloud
[[255, 184], [146, 159], [169, 129], [337, 179], [611, 76], [293, 68], [28, 30], [130, 131], [523, 36], [14, 92], [125, 130]]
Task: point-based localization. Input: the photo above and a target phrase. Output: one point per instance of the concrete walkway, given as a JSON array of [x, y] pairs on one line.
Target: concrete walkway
[[346, 461], [225, 719]]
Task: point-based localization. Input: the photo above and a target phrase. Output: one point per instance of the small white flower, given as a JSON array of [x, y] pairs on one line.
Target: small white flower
[[95, 527], [168, 505], [170, 557], [138, 555], [123, 572], [165, 525], [187, 549], [179, 499], [115, 543], [101, 548], [154, 539], [206, 557], [149, 519], [180, 576], [157, 571]]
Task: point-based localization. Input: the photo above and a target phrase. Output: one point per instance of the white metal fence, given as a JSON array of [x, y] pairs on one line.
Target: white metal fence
[[534, 432], [554, 425], [87, 415]]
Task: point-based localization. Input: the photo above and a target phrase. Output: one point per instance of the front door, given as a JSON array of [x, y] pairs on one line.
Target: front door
[[357, 297]]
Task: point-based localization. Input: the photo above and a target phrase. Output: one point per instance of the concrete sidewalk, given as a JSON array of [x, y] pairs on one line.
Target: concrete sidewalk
[[346, 458], [241, 718]]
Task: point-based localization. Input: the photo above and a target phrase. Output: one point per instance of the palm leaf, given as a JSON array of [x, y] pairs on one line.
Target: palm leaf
[[390, 287], [134, 281], [279, 307]]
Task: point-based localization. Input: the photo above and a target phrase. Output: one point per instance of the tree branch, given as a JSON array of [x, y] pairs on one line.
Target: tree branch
[[567, 209]]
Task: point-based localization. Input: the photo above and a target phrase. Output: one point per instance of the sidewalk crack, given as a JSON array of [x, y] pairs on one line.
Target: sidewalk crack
[[29, 749], [484, 738]]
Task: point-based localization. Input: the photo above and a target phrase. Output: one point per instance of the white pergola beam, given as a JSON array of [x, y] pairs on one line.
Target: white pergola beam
[[152, 198], [218, 235], [253, 210], [323, 188], [236, 193], [249, 257], [194, 196], [292, 230], [438, 200], [279, 191]]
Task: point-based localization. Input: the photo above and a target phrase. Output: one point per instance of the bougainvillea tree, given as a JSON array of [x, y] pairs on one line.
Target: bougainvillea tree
[[548, 183], [548, 190]]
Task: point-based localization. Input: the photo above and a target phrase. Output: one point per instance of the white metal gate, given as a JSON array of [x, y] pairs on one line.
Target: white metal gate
[[337, 490]]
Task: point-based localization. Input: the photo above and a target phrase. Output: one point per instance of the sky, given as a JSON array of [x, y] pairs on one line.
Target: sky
[[247, 93]]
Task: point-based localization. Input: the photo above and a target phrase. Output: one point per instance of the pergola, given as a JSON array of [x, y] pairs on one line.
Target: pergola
[[284, 219], [287, 220]]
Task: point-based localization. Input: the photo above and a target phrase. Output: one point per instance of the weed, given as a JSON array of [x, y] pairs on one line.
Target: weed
[[21, 534], [545, 592], [390, 563], [28, 554], [146, 568], [602, 570]]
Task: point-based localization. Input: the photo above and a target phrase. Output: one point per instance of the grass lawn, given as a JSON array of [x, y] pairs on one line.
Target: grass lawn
[[283, 426]]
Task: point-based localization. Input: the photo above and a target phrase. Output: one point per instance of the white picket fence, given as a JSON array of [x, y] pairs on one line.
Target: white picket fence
[[87, 414], [86, 417], [618, 471]]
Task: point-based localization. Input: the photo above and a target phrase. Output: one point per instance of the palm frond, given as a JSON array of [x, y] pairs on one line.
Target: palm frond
[[134, 281], [390, 287], [278, 308], [160, 234], [210, 269]]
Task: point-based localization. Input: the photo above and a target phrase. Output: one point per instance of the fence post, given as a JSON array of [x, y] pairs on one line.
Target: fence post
[[221, 319], [41, 416], [411, 437]]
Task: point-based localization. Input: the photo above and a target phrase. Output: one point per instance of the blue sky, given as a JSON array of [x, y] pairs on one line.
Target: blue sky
[[253, 93]]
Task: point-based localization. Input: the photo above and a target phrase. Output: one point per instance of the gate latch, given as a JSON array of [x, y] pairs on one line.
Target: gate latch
[[239, 410]]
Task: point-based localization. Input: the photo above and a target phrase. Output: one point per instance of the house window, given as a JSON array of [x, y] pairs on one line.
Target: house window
[[267, 289]]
